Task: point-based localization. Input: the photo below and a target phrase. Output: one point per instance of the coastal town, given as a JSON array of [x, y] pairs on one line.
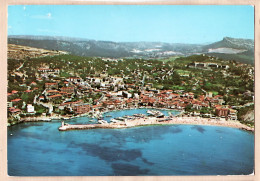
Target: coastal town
[[62, 86]]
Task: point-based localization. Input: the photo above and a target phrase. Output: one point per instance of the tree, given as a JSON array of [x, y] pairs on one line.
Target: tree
[[188, 108], [176, 78]]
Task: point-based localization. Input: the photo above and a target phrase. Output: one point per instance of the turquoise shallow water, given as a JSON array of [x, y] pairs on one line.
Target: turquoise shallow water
[[39, 149]]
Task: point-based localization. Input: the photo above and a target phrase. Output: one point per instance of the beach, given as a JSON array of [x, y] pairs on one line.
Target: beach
[[158, 121]]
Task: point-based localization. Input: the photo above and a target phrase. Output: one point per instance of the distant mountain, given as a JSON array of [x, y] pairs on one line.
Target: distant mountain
[[230, 48], [235, 43]]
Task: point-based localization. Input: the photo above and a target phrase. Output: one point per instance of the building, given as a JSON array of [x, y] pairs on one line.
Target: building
[[14, 110], [30, 108], [49, 85], [222, 112], [126, 94], [68, 89], [81, 108], [9, 104]]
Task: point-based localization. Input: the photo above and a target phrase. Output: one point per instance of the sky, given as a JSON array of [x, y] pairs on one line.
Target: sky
[[131, 23]]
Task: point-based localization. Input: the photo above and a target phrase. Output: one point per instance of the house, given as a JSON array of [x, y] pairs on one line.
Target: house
[[233, 114], [28, 91], [209, 94], [81, 108], [222, 112], [30, 108], [52, 97], [73, 79], [56, 70], [16, 100], [50, 85], [9, 104], [52, 92], [68, 89], [126, 94], [44, 69], [41, 98], [14, 91], [14, 110], [33, 83]]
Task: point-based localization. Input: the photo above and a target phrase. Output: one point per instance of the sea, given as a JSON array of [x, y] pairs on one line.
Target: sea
[[40, 149]]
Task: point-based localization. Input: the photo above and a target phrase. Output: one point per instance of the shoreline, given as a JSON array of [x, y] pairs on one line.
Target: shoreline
[[177, 119], [158, 121]]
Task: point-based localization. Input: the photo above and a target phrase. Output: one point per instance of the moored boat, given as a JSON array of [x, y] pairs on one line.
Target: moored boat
[[155, 113], [102, 122], [139, 115]]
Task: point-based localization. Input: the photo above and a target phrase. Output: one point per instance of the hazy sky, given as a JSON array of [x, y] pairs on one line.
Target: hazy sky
[[167, 23]]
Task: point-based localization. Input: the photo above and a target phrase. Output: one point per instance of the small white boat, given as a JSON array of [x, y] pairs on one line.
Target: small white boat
[[102, 121], [120, 119], [155, 113], [113, 120], [139, 115]]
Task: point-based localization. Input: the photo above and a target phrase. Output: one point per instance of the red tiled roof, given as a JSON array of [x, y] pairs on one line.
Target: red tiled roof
[[223, 109], [52, 91], [117, 101], [61, 92], [50, 83], [53, 96], [217, 106], [14, 110], [16, 100], [44, 69], [98, 105], [129, 100], [14, 91], [70, 88], [76, 102]]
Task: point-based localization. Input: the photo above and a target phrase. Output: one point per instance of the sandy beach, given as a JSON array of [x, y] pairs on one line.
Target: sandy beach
[[159, 121]]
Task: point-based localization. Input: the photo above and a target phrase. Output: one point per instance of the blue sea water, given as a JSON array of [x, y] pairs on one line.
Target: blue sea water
[[39, 149]]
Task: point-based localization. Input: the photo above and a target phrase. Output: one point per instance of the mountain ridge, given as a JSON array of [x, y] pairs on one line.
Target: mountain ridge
[[228, 48]]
